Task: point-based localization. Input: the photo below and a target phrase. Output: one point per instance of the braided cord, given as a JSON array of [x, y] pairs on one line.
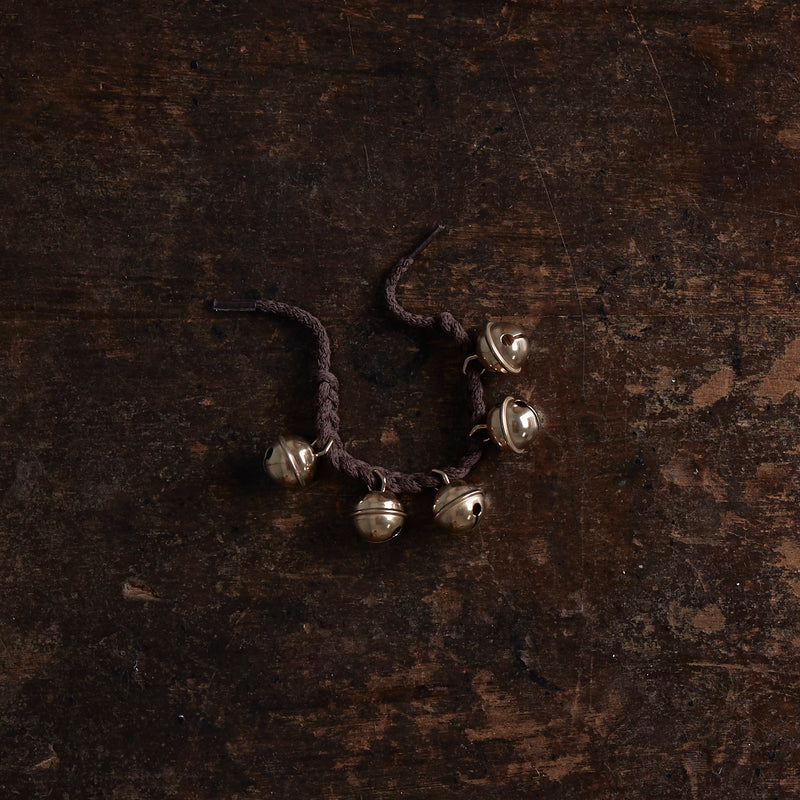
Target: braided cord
[[327, 394]]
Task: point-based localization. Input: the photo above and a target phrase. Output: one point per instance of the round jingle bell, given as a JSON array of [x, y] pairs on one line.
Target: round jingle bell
[[292, 461], [457, 507], [379, 515], [512, 425], [501, 347]]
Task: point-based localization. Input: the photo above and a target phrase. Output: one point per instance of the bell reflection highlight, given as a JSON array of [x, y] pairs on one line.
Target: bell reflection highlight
[[502, 347], [378, 517], [457, 507], [291, 462], [513, 425]]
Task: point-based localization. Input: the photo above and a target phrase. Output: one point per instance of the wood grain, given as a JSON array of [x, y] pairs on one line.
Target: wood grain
[[622, 180]]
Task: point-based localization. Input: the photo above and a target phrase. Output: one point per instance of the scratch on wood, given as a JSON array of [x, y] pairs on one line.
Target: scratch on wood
[[757, 668], [349, 30], [658, 74], [555, 217], [756, 209], [366, 156], [697, 573]]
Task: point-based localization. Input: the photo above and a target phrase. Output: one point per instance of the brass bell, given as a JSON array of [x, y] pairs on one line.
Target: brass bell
[[512, 425], [457, 507], [292, 461], [379, 515], [502, 347]]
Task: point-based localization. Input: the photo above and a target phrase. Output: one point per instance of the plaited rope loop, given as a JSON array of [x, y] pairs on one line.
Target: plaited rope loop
[[327, 392]]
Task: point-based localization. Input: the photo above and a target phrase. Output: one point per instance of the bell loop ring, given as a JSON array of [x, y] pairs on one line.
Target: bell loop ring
[[443, 475], [473, 357], [381, 480], [482, 426], [325, 450]]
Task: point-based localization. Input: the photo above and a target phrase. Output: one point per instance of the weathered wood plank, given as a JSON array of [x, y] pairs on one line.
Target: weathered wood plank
[[622, 180]]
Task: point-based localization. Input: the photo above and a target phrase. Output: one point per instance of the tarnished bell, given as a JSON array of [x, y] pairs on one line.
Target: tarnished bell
[[502, 347], [458, 507], [379, 515], [512, 425], [291, 462]]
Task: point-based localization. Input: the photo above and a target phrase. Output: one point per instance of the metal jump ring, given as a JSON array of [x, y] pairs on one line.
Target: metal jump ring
[[445, 477], [324, 450], [381, 478]]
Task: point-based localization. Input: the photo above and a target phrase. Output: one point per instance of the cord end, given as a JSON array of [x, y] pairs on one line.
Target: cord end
[[234, 305], [428, 239]]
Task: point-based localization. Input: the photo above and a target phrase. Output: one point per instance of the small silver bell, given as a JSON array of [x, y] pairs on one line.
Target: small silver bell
[[379, 515], [292, 461], [502, 347], [457, 507], [512, 425]]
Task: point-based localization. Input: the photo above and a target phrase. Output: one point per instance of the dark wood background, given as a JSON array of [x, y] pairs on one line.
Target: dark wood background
[[622, 180]]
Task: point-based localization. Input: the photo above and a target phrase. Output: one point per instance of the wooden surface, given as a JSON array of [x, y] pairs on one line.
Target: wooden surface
[[621, 180]]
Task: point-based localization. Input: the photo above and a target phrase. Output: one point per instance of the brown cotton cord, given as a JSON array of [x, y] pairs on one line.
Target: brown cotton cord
[[327, 394]]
